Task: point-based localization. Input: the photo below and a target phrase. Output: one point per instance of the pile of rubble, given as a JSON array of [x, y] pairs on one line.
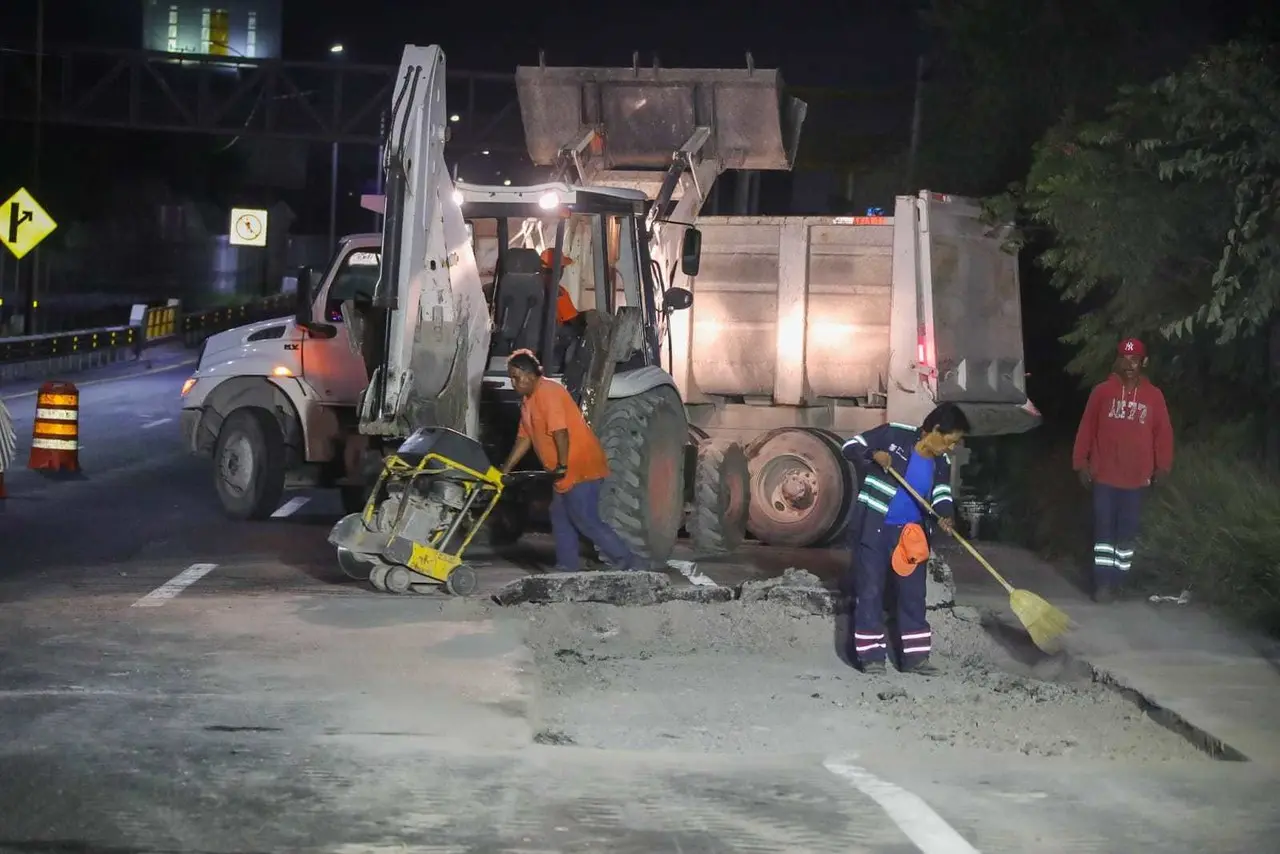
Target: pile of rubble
[[796, 588]]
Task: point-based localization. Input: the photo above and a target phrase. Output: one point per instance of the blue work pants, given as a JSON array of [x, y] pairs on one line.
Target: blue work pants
[[872, 571], [577, 512], [1117, 515]]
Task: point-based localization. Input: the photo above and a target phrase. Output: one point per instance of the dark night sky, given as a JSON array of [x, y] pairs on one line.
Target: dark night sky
[[854, 41]]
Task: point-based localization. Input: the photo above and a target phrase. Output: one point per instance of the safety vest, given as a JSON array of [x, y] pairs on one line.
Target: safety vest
[[878, 487]]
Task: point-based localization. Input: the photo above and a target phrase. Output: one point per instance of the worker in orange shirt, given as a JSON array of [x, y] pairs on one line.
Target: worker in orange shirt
[[566, 311], [552, 425]]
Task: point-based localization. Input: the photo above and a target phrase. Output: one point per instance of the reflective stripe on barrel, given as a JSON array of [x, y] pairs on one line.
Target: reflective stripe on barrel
[[57, 418]]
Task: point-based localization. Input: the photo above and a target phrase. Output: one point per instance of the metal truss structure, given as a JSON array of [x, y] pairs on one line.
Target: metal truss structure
[[335, 102]]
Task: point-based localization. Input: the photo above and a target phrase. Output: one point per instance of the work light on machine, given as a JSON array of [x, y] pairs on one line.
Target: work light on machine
[[549, 201], [457, 198]]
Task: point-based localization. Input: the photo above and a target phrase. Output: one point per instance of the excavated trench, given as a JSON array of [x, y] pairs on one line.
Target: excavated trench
[[763, 673]]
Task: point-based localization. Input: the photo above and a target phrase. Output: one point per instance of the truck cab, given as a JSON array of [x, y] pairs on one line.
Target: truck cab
[[273, 402]]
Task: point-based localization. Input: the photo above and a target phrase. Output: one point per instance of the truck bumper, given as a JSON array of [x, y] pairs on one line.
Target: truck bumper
[[189, 423]]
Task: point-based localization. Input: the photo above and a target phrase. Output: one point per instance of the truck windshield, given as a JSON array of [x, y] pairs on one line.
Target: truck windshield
[[355, 279]]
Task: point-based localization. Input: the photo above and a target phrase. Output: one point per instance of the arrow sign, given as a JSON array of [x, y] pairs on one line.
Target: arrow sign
[[23, 223]]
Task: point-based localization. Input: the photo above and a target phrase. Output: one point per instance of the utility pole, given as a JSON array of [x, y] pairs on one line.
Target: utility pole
[[29, 300], [917, 108]]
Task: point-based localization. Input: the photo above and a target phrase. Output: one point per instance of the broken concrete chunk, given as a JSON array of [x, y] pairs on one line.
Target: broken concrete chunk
[[811, 600], [701, 595], [611, 588], [754, 591], [940, 585]]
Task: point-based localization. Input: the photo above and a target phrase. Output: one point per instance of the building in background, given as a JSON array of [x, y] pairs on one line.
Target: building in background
[[237, 29]]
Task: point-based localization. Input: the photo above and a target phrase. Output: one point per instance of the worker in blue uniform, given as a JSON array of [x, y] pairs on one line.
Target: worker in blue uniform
[[888, 532]]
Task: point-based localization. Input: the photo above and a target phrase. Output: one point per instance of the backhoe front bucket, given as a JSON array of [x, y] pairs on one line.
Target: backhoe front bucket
[[646, 114]]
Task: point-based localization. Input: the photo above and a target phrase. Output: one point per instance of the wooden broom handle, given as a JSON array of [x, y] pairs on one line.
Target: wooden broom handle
[[961, 540]]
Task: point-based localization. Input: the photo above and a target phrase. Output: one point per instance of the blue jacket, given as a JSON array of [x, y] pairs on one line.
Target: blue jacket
[[878, 487]]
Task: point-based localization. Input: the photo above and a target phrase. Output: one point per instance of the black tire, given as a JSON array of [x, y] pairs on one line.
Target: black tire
[[797, 488], [643, 500], [354, 498], [257, 495], [506, 524], [836, 534], [721, 493], [462, 581]]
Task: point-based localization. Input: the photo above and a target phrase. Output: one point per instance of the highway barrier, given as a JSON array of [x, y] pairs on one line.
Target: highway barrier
[[55, 435], [37, 356]]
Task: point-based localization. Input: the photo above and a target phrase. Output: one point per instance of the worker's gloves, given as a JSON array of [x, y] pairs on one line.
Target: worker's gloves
[[1086, 479], [883, 459]]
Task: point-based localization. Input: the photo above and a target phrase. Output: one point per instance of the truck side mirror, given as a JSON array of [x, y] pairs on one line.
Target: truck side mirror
[[691, 251], [676, 299], [304, 293], [302, 296]]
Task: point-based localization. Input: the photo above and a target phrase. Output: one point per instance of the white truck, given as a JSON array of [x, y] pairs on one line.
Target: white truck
[[790, 335]]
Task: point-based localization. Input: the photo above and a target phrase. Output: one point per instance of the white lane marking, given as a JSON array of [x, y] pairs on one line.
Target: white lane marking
[[916, 819], [293, 505], [175, 585], [156, 423]]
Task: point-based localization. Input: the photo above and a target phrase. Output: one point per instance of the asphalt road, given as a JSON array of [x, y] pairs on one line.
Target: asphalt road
[[171, 680]]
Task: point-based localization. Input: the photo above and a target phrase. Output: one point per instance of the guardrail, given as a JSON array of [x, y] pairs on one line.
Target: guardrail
[[36, 355]]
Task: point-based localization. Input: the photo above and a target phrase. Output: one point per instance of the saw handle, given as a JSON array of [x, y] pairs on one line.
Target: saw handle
[[902, 481]]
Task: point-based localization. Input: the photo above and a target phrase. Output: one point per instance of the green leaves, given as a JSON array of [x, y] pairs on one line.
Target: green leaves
[[1166, 214]]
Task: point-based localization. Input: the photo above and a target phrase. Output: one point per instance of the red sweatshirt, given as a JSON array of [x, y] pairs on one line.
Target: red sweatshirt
[[1125, 436]]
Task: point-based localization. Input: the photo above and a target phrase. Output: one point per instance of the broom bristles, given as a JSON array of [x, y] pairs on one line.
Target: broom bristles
[[1045, 623]]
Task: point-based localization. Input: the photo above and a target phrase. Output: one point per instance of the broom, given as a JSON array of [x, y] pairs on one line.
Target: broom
[[1045, 623]]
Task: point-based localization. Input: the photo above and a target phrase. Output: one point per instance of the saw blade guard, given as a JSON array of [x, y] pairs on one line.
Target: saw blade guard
[[642, 115]]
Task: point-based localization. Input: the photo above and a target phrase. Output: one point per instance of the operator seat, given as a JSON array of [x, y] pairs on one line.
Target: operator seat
[[522, 297]]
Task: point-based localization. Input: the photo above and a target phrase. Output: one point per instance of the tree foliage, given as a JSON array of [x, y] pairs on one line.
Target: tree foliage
[[1164, 213]]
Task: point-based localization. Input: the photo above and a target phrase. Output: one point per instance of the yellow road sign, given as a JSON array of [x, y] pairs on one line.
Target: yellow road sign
[[23, 223], [248, 227]]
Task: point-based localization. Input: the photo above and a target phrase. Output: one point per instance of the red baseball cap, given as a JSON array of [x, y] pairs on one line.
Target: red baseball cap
[[1132, 347]]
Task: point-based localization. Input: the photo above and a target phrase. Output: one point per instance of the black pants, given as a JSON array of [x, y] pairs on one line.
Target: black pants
[[873, 580]]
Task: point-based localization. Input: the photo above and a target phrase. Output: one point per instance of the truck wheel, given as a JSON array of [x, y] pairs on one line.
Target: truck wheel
[[721, 483], [836, 534], [354, 498], [797, 488], [505, 525], [643, 500], [249, 464]]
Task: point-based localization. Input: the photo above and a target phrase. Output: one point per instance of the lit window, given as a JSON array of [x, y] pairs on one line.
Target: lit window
[[172, 42], [205, 15], [251, 40]]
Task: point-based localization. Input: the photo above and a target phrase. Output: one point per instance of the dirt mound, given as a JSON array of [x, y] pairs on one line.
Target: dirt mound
[[766, 678]]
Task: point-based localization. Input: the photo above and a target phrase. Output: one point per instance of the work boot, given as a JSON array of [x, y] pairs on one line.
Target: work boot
[[922, 667], [873, 668]]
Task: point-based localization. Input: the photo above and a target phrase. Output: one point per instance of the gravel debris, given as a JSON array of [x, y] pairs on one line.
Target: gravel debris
[[765, 676]]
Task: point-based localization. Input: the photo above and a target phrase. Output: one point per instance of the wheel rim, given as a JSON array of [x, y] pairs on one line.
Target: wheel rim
[[398, 580], [790, 488], [236, 464]]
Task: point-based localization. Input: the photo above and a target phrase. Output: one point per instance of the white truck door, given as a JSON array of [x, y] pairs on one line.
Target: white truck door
[[329, 364]]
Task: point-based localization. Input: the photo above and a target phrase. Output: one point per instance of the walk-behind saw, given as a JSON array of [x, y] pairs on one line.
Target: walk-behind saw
[[432, 497]]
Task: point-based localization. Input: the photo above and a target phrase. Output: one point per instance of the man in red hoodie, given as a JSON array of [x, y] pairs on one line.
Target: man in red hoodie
[[1123, 445]]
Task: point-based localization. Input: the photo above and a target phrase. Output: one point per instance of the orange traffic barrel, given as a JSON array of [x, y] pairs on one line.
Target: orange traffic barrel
[[55, 438]]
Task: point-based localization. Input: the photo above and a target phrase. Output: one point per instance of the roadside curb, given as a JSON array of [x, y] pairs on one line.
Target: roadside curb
[[90, 382], [1200, 738]]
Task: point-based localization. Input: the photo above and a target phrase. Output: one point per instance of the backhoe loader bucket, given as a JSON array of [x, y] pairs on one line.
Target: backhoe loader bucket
[[645, 114]]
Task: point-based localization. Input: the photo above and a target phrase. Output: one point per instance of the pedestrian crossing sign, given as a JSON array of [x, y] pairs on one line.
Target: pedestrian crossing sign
[[23, 223]]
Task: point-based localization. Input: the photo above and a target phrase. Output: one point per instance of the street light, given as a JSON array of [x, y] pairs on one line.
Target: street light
[[336, 48], [455, 118]]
